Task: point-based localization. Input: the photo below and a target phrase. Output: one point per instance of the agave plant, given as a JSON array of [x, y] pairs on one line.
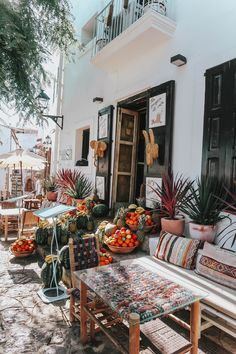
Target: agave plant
[[81, 189], [50, 184], [205, 202], [67, 178], [172, 193]]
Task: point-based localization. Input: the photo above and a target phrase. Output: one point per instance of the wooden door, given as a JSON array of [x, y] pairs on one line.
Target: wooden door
[[125, 156]]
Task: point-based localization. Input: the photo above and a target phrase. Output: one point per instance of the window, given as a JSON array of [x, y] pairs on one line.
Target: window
[[82, 146], [219, 137]]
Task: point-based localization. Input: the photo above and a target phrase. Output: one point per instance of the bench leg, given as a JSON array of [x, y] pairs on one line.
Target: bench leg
[[195, 326], [83, 314], [134, 333]]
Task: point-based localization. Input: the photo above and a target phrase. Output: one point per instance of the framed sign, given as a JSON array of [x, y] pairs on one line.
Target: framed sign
[[103, 126], [100, 186], [151, 197], [157, 111]]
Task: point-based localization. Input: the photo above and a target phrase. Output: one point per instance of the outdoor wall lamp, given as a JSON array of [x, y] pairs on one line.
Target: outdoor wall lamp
[[178, 60], [43, 101], [98, 99]]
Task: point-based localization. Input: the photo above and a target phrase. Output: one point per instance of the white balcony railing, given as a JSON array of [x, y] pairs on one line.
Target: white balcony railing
[[118, 15]]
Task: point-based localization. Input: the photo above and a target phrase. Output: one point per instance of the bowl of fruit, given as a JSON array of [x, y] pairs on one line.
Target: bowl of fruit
[[22, 247], [132, 220], [122, 241], [105, 257]]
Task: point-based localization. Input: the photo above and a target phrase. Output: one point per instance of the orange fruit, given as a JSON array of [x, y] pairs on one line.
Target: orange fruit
[[124, 244], [102, 263], [131, 244], [136, 243], [107, 261]]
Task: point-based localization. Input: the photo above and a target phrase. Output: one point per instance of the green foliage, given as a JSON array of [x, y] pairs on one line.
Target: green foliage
[[82, 188], [50, 184], [30, 30], [205, 201]]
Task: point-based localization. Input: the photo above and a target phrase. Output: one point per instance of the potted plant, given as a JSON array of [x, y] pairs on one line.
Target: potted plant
[[80, 190], [51, 189], [67, 178], [171, 194], [204, 206]]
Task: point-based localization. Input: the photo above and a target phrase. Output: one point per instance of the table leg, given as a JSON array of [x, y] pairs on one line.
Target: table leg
[[195, 326], [134, 333], [6, 227], [83, 315]]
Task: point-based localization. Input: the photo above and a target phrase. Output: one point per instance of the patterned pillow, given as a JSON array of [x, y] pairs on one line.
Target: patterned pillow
[[217, 264], [177, 250]]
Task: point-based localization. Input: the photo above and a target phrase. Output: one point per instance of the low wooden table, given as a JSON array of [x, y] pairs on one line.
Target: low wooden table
[[6, 213], [32, 203], [137, 295]]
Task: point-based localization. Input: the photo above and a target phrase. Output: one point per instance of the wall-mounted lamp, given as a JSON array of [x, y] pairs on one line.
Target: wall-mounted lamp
[[178, 60], [42, 101], [98, 99]]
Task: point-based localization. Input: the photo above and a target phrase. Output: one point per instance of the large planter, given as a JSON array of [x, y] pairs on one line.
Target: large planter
[[51, 196], [202, 232], [173, 226]]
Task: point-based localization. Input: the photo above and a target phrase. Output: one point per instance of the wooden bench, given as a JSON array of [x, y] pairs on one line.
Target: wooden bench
[[217, 309]]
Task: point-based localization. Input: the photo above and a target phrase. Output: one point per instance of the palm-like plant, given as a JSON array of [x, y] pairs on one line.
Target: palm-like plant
[[67, 178], [171, 194], [205, 202], [81, 189]]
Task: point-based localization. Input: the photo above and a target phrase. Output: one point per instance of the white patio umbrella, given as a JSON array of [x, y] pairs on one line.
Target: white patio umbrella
[[22, 159]]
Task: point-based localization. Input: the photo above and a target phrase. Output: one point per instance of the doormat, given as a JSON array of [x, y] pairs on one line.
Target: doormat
[[24, 276]]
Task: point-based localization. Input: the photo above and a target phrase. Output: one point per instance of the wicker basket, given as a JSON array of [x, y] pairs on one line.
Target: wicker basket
[[121, 249], [21, 254]]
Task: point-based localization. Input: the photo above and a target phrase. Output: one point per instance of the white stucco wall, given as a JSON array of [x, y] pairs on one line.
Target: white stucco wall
[[205, 34]]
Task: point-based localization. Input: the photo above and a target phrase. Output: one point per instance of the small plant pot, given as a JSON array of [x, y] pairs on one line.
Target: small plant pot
[[202, 232], [173, 226], [51, 196]]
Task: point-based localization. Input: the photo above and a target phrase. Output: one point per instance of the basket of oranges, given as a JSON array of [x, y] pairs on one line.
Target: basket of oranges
[[22, 247], [105, 257], [122, 241]]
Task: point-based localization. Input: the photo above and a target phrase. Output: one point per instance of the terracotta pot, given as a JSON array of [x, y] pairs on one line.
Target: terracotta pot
[[51, 196], [173, 226], [202, 232]]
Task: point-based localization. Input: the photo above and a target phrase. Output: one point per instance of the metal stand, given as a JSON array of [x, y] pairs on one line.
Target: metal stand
[[57, 293]]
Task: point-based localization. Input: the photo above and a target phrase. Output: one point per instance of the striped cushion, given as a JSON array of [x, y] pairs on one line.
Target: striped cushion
[[177, 250], [217, 264]]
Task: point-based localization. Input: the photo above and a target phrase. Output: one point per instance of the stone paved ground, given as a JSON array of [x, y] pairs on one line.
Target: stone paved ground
[[27, 325]]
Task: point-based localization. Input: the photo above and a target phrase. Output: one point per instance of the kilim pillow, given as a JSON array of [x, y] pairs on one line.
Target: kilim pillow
[[177, 250], [217, 264]]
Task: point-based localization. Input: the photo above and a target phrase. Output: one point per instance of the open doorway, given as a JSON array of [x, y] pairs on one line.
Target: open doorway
[[130, 150]]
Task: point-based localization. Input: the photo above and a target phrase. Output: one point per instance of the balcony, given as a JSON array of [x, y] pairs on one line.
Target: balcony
[[130, 26]]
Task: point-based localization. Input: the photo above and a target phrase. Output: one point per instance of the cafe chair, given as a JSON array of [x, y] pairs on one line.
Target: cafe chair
[[29, 223], [12, 220]]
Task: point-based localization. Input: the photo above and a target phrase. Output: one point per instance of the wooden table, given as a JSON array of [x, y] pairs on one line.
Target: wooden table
[[137, 294], [32, 203], [6, 213]]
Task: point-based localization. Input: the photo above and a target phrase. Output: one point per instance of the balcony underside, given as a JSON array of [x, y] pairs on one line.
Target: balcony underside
[[149, 31]]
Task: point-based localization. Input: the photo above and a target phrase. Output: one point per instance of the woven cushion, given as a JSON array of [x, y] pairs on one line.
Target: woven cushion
[[217, 264], [85, 253], [177, 250]]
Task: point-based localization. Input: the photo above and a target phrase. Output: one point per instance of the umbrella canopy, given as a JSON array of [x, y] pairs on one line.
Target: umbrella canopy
[[22, 158]]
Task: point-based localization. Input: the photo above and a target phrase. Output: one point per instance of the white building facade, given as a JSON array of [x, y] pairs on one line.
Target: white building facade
[[126, 61]]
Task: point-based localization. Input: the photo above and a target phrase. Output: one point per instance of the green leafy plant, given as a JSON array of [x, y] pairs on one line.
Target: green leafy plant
[[30, 31], [50, 184], [205, 202], [171, 194], [82, 188]]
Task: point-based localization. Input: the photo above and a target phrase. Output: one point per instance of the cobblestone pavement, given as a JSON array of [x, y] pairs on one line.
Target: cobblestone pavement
[[27, 325]]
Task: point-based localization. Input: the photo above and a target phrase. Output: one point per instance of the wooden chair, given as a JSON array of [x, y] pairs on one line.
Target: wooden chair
[[29, 222], [12, 220], [84, 254]]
